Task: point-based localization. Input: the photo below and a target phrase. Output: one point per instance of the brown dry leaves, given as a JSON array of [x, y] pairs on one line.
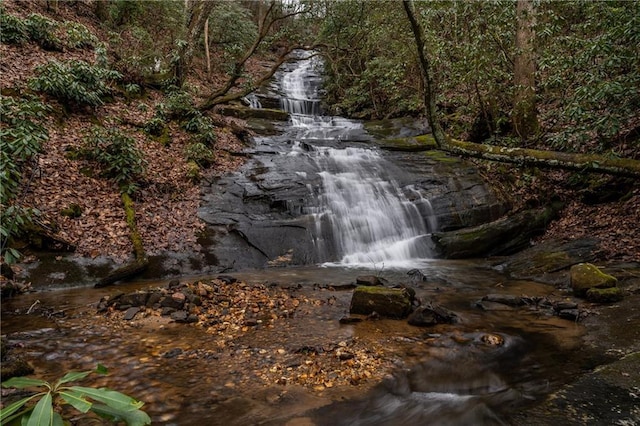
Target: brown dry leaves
[[260, 330]]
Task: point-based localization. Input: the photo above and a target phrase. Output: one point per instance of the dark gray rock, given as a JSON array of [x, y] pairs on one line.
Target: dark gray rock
[[370, 280], [492, 306], [501, 237], [131, 313], [134, 299], [430, 314], [173, 301], [569, 314], [505, 299]]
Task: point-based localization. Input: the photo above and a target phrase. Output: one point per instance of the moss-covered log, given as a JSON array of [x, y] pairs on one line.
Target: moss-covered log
[[501, 237], [552, 159], [140, 262]]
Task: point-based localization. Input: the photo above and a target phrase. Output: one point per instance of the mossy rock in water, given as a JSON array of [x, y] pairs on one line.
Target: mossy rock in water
[[585, 276], [386, 302], [605, 295]]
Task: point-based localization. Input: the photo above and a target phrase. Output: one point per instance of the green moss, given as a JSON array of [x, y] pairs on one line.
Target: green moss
[[134, 234], [441, 157], [605, 295], [585, 276], [411, 144]]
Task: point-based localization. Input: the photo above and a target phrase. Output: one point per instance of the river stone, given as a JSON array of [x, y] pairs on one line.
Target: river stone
[[429, 314], [605, 295], [585, 276], [485, 305], [131, 313], [569, 314], [370, 280], [387, 302], [134, 299], [505, 299], [172, 302]]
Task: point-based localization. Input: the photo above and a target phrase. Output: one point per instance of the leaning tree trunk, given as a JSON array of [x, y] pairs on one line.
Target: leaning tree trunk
[[429, 86], [140, 261]]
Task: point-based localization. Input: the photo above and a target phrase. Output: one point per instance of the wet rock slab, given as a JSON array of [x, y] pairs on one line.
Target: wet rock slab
[[607, 396]]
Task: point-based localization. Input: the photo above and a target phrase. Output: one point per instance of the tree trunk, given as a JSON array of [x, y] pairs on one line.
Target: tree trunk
[[140, 262], [526, 71], [206, 46], [265, 23], [196, 14], [551, 159], [525, 117], [429, 86]]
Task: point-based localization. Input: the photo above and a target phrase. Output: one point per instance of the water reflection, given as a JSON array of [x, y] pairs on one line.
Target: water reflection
[[475, 372]]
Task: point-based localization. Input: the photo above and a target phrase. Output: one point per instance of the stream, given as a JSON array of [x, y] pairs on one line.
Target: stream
[[360, 217]]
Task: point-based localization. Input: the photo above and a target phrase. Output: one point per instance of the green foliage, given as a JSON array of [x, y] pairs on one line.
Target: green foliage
[[143, 35], [155, 126], [74, 82], [200, 153], [40, 408], [77, 36], [369, 59], [202, 126], [589, 71], [117, 155], [178, 105], [43, 30], [21, 139], [14, 30], [232, 15]]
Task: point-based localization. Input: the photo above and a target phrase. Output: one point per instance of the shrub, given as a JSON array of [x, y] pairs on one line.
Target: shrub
[[14, 30], [42, 30], [104, 402], [74, 82], [155, 126], [78, 36], [117, 155], [199, 153], [179, 105], [21, 138]]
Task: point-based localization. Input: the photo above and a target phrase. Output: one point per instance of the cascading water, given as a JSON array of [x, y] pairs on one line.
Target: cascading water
[[362, 215]]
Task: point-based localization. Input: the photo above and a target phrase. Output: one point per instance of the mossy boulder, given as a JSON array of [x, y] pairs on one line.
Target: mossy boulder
[[386, 302], [586, 276], [605, 295]]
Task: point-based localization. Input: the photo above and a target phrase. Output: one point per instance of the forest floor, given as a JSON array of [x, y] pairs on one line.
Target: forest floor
[[168, 201]]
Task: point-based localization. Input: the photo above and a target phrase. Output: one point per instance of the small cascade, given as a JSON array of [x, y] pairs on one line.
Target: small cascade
[[301, 89], [253, 101], [362, 216]]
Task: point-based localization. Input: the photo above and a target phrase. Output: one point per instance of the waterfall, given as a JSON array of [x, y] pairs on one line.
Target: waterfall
[[362, 216]]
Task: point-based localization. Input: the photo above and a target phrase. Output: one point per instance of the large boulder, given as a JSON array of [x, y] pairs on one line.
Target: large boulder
[[504, 236], [386, 302], [585, 276]]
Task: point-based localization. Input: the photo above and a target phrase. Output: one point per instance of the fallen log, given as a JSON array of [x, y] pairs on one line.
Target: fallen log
[[140, 262]]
